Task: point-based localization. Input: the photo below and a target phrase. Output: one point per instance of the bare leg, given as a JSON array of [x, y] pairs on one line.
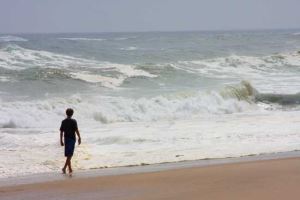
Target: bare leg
[[69, 164], [65, 166]]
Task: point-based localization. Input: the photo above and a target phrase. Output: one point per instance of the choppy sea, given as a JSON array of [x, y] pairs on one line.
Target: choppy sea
[[144, 98]]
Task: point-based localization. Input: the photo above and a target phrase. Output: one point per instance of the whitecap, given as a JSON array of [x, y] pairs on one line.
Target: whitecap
[[4, 79], [13, 57], [125, 38], [263, 71], [108, 82], [132, 48]]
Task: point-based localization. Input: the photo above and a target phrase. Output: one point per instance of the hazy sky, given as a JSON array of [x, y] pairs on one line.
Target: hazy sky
[[146, 15]]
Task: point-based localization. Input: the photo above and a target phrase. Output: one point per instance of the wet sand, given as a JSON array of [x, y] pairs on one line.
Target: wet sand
[[269, 179]]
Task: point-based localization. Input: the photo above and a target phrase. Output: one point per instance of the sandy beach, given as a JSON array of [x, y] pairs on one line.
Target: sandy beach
[[149, 100], [268, 179]]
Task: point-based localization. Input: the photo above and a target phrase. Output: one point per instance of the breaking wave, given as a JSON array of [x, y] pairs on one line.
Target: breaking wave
[[234, 66], [276, 70], [246, 92], [180, 105], [111, 75], [277, 73], [107, 109]]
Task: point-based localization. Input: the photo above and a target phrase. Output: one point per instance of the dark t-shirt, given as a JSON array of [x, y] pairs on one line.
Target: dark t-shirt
[[69, 126]]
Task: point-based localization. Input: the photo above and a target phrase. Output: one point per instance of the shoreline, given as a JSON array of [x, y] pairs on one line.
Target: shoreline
[[143, 168], [261, 179]]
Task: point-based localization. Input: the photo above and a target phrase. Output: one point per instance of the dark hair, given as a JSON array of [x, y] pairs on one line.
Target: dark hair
[[69, 112]]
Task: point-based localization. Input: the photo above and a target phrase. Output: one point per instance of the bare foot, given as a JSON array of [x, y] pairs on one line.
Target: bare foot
[[70, 172], [63, 171]]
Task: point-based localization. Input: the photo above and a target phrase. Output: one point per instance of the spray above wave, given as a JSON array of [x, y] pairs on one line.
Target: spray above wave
[[13, 57], [11, 38]]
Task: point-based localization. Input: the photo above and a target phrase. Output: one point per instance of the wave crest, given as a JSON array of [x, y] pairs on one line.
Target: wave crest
[[107, 109], [13, 57], [180, 105]]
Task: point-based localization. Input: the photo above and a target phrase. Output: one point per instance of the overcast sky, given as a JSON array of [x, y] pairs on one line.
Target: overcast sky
[[146, 15]]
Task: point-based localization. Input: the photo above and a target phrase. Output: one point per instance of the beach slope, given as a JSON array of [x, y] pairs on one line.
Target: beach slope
[[271, 179]]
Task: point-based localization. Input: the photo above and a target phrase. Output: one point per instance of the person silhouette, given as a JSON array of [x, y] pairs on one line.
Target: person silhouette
[[68, 129]]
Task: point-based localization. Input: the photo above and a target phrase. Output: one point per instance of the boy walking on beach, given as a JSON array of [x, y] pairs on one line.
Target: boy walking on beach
[[68, 129]]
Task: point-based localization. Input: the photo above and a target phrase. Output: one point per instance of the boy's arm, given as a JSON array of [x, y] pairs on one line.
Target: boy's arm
[[79, 138], [61, 138]]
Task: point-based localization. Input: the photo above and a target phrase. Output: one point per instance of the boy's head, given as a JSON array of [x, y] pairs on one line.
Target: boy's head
[[69, 112]]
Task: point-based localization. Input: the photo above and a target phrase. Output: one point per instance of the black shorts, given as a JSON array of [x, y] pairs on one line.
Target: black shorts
[[69, 146]]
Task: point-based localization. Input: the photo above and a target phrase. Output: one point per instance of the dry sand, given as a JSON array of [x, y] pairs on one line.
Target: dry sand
[[271, 179]]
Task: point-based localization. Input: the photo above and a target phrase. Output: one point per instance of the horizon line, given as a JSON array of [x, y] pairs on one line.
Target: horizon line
[[156, 31]]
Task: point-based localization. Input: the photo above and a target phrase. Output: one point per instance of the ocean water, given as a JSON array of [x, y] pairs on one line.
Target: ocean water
[[144, 98]]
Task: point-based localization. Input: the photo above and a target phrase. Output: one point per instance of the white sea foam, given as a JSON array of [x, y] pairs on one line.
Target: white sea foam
[[11, 38], [105, 109], [108, 82], [28, 127], [186, 115], [4, 79], [262, 71], [26, 151], [14, 57], [242, 65]]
